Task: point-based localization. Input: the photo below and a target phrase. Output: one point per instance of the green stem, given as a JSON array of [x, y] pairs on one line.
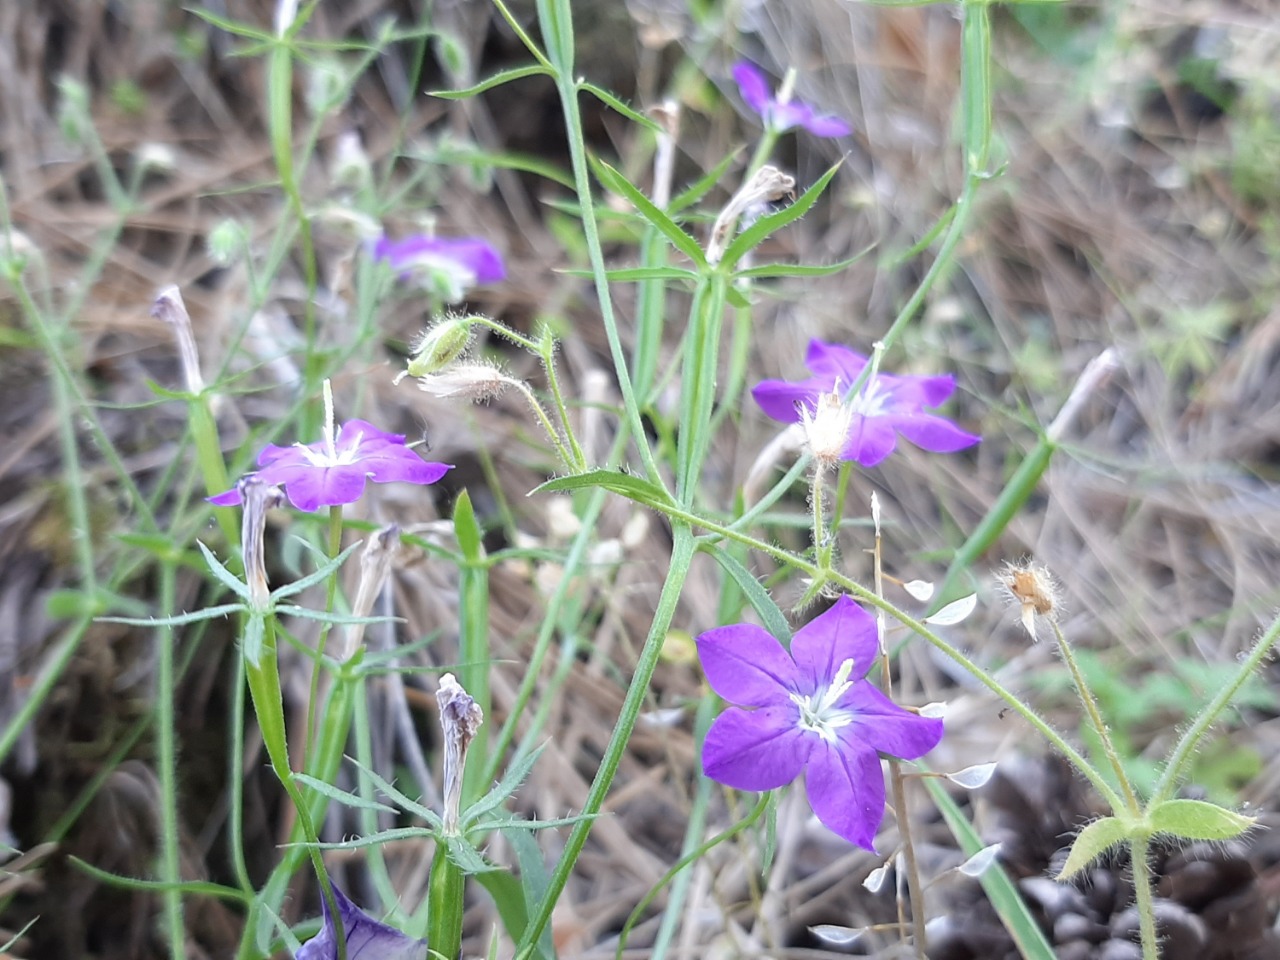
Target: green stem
[[280, 122], [547, 355], [1090, 705], [166, 748], [681, 557], [444, 903], [567, 87], [820, 535], [1186, 746], [1139, 857], [268, 703]]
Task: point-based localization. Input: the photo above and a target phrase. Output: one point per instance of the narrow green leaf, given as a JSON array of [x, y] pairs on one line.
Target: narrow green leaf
[[1000, 890], [630, 274], [1198, 820], [208, 613], [251, 649], [234, 27], [613, 103], [615, 181], [508, 896], [1093, 841], [202, 888], [799, 269], [393, 835], [633, 488], [497, 80], [751, 237], [702, 186], [342, 796], [398, 798], [510, 782], [770, 614], [324, 616], [316, 576], [467, 530], [223, 575]]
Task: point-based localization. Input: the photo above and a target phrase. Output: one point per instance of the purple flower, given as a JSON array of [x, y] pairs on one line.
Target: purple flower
[[333, 471], [885, 406], [459, 262], [780, 115], [367, 938], [813, 711]]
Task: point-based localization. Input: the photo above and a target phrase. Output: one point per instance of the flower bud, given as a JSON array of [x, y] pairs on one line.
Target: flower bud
[[440, 346], [227, 242]]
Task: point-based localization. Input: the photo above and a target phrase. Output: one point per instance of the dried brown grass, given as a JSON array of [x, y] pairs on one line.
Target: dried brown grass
[[1160, 515]]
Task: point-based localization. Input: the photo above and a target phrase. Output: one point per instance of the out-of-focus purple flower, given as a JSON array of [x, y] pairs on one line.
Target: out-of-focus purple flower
[[334, 470], [885, 406], [780, 115], [462, 262], [367, 938], [812, 711]]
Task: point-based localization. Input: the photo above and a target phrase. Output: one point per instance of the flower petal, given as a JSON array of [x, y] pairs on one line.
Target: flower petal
[[833, 361], [367, 938], [746, 665], [827, 125], [473, 255], [757, 749], [274, 454], [310, 487], [231, 498], [936, 434], [361, 434], [401, 464], [886, 727], [781, 400], [871, 439], [845, 632], [753, 86], [846, 790], [919, 391]]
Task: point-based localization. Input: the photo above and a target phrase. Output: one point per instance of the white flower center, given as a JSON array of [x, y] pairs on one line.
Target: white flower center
[[872, 399], [818, 711], [330, 455]]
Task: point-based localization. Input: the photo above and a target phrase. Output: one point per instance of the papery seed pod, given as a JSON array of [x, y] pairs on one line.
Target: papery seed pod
[[468, 381], [1035, 591]]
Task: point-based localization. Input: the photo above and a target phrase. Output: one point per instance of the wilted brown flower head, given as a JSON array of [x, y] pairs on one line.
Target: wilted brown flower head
[[1033, 588]]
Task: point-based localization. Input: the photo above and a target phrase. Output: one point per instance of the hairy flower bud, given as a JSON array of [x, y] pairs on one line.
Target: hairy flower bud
[[440, 345]]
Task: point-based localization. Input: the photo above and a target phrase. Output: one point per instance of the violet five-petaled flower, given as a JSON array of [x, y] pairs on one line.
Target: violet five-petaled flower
[[465, 261], [366, 938], [810, 710], [783, 114], [334, 470], [884, 407]]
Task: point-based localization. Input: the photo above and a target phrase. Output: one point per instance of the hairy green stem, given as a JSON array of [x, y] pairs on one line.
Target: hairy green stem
[[1090, 705]]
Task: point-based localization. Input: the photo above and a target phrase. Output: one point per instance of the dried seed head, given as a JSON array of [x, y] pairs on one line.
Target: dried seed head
[[768, 185], [460, 719], [1033, 588], [826, 429], [467, 381]]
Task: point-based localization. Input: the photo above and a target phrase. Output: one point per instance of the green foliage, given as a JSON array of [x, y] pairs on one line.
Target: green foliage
[[1136, 707]]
